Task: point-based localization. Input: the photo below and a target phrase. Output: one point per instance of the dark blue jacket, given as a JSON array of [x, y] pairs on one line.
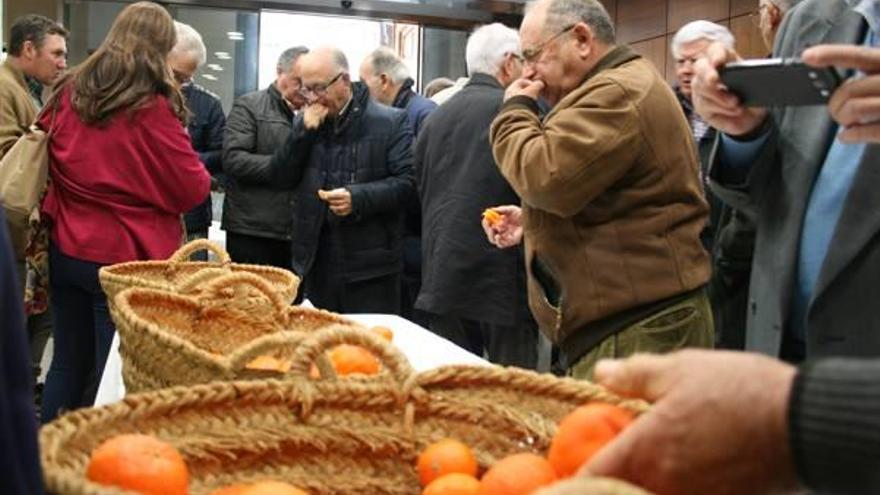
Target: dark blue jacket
[[205, 128], [19, 455], [417, 106], [369, 152]]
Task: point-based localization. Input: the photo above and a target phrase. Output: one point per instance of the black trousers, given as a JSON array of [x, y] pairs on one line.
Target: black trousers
[[255, 250], [376, 295], [505, 345]]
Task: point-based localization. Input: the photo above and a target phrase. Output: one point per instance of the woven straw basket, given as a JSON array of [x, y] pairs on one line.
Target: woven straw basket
[[178, 274], [168, 339], [331, 436]]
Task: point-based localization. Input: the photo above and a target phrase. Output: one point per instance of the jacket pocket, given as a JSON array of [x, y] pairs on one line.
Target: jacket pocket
[[546, 298]]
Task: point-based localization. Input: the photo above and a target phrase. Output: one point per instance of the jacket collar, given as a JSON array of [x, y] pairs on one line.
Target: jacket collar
[[483, 79], [404, 94], [24, 82], [279, 100], [615, 57]]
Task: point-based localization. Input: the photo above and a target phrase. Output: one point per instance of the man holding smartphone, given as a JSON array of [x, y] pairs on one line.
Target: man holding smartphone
[[809, 176]]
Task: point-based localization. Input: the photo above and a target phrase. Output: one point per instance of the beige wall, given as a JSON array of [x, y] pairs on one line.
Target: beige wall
[[649, 25], [13, 9]]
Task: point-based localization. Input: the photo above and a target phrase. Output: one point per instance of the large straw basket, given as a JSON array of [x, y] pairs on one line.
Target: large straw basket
[[178, 274], [168, 339], [331, 436]]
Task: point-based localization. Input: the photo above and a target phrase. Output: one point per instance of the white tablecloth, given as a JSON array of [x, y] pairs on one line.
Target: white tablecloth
[[424, 349]]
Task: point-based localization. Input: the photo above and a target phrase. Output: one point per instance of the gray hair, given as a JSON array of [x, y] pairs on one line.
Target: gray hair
[[487, 47], [339, 60], [385, 61], [189, 42], [701, 30], [562, 13], [289, 57]]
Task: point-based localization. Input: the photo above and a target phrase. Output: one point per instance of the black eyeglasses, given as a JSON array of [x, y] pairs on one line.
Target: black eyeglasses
[[531, 55], [318, 90]]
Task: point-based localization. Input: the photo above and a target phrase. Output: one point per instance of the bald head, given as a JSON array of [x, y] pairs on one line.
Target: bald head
[[325, 78]]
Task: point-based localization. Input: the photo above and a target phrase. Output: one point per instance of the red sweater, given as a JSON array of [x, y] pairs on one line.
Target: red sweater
[[116, 192]]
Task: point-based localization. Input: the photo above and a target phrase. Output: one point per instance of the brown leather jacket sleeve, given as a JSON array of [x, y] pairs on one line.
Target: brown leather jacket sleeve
[[582, 148]]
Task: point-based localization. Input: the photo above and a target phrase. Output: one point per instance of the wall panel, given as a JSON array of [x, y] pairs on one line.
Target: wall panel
[[682, 12], [639, 20]]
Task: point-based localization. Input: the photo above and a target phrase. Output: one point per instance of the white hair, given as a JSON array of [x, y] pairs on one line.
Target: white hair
[[384, 61], [189, 42], [701, 30], [487, 47]]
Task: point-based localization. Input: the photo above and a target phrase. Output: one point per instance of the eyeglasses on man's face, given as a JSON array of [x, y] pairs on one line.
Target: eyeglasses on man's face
[[531, 55], [319, 90]]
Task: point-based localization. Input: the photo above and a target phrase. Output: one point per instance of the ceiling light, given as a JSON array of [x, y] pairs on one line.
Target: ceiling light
[[210, 77]]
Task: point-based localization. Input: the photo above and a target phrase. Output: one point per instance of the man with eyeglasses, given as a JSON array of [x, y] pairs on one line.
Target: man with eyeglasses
[[257, 216], [612, 207], [348, 161], [205, 127]]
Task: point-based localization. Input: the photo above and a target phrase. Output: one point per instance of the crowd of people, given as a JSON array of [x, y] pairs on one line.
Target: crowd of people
[[633, 216]]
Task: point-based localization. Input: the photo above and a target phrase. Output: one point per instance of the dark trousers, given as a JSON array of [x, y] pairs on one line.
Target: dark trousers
[[375, 295], [505, 345], [82, 333], [255, 250]]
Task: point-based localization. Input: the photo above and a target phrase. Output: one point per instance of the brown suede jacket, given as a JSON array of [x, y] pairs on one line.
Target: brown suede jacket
[[612, 204]]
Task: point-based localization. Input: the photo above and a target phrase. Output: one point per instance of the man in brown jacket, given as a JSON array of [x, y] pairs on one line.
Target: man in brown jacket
[[611, 205], [37, 55]]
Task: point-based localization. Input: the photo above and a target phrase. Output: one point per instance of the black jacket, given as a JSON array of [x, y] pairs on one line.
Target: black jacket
[[257, 126], [368, 150], [462, 273], [205, 128]]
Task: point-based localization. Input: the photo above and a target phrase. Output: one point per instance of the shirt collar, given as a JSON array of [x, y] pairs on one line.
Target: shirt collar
[[870, 9]]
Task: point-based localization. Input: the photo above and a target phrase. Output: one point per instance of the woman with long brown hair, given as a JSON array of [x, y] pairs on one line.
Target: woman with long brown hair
[[122, 172]]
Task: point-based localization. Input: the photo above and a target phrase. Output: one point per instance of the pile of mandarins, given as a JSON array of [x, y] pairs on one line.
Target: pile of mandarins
[[147, 465], [449, 467]]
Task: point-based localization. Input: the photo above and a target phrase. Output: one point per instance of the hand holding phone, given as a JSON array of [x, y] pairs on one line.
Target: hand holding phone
[[714, 102], [779, 82]]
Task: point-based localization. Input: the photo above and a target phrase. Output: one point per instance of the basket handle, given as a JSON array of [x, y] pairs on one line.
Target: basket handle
[[215, 286], [239, 359], [204, 275], [185, 251], [323, 340]]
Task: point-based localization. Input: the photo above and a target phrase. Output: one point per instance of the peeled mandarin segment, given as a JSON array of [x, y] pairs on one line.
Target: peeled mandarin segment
[[384, 332], [582, 433], [269, 363], [492, 217], [444, 457]]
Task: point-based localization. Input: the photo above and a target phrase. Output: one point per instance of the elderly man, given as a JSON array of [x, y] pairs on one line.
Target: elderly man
[[258, 218], [349, 162], [37, 56], [808, 175], [390, 84], [612, 206], [730, 234], [206, 126], [457, 179], [388, 79]]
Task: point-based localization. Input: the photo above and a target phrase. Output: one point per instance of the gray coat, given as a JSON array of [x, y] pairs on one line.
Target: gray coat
[[841, 318]]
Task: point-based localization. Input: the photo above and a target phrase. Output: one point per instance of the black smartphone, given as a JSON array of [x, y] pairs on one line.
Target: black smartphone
[[779, 82]]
